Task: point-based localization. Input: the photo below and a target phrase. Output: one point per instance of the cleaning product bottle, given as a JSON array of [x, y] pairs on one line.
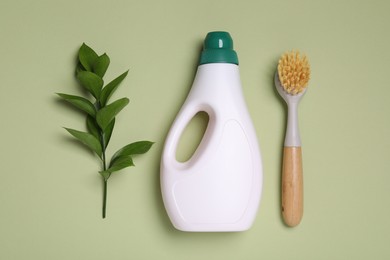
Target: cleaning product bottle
[[219, 188]]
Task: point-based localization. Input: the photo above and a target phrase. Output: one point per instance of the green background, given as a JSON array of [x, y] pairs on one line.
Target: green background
[[50, 191]]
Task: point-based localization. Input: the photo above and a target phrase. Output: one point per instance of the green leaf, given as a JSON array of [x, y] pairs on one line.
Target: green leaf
[[91, 82], [101, 65], [105, 115], [87, 139], [79, 68], [87, 57], [120, 163], [92, 127], [108, 132], [110, 88], [80, 102], [139, 147]]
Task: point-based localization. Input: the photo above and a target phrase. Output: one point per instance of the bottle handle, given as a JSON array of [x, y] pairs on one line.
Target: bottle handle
[[190, 109]]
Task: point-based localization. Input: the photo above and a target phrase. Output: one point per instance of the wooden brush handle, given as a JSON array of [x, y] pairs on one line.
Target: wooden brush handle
[[292, 186]]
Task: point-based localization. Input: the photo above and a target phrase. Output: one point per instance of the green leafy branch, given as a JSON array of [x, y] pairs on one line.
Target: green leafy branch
[[90, 71]]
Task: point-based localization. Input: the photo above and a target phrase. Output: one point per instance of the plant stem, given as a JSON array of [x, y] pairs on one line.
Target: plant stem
[[102, 141], [104, 179], [104, 197], [104, 184]]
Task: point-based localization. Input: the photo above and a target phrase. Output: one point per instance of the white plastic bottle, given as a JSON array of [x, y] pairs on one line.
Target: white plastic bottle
[[219, 188]]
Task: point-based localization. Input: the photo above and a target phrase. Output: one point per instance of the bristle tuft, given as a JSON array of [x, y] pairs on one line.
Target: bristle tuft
[[294, 72]]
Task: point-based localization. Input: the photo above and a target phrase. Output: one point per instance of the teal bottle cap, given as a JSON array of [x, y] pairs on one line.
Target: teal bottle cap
[[218, 48]]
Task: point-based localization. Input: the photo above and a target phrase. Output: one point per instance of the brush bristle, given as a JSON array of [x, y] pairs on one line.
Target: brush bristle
[[294, 72]]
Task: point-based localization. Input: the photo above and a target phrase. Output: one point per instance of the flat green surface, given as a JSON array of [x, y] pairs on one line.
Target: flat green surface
[[50, 191]]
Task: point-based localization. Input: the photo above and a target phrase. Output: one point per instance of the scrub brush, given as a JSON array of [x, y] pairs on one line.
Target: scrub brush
[[291, 82]]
